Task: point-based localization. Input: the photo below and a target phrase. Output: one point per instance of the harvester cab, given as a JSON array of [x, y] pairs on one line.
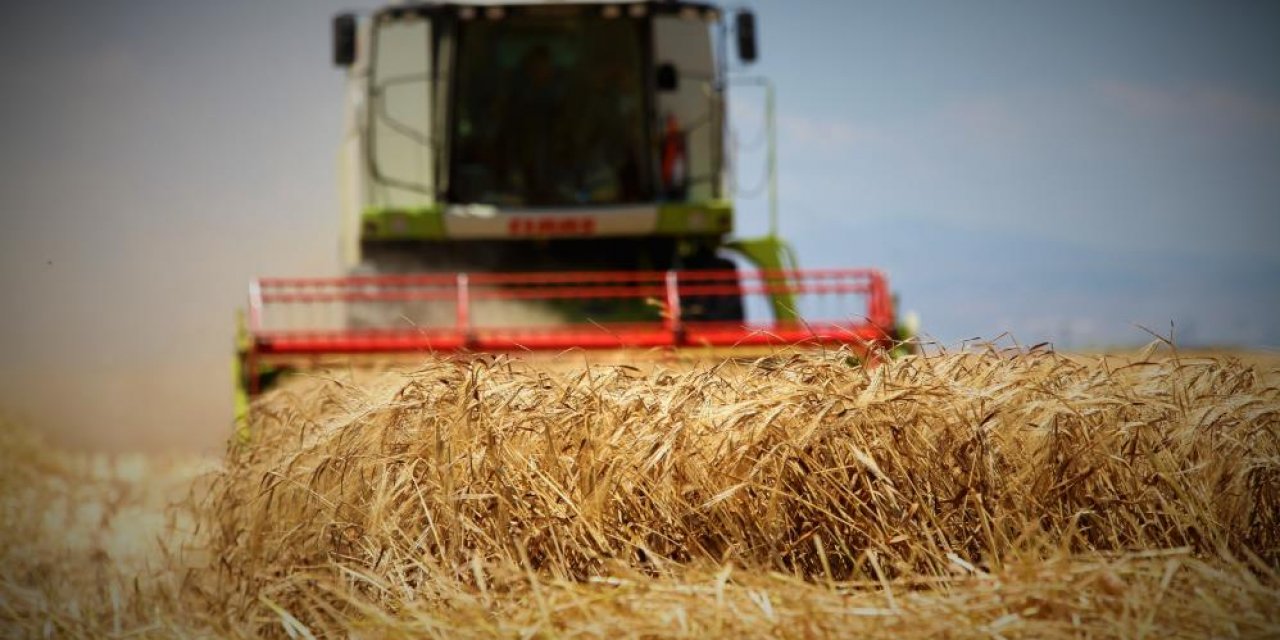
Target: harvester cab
[[522, 175], [524, 137]]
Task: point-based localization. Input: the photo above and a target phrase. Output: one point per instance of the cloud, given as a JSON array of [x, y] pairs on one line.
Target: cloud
[[983, 124], [986, 119], [1203, 105], [814, 133], [823, 133]]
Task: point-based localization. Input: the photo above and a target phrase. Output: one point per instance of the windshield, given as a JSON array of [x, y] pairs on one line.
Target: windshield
[[550, 111]]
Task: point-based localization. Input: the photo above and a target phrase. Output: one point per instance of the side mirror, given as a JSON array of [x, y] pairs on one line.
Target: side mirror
[[344, 39], [668, 77], [744, 26]]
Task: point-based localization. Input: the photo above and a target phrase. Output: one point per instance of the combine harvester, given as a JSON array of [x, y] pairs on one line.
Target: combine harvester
[[547, 176]]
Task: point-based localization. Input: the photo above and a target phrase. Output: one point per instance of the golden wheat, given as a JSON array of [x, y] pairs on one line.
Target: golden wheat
[[977, 493]]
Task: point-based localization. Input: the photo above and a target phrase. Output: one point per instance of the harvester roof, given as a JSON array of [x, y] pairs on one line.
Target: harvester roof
[[666, 6]]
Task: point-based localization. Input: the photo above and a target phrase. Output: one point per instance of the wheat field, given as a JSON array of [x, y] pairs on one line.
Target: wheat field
[[972, 493]]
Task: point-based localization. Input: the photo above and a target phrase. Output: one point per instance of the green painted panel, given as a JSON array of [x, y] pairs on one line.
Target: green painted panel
[[771, 253], [403, 223], [427, 223], [699, 218]]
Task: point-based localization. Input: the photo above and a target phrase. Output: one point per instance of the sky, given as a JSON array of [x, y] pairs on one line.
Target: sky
[[1055, 171]]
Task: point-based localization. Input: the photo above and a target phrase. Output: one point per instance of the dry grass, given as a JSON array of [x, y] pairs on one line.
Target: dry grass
[[963, 494], [91, 544]]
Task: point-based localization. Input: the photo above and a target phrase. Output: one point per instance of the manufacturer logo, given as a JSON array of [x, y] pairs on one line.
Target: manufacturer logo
[[551, 226]]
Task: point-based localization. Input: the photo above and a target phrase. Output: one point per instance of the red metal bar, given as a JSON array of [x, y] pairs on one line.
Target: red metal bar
[[380, 279], [864, 325], [255, 305], [580, 291], [447, 280], [640, 335], [672, 312], [464, 304]]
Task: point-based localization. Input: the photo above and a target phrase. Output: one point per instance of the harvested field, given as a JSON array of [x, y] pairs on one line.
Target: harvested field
[[983, 493]]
